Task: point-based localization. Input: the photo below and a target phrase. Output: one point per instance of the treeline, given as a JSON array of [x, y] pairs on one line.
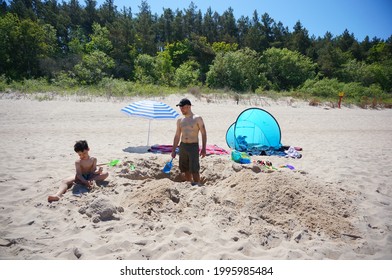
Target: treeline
[[69, 43]]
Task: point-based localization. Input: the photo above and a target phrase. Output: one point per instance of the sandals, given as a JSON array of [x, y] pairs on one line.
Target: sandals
[[267, 163]]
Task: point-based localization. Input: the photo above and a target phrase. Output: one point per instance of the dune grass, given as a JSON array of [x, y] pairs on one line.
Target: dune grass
[[42, 89]]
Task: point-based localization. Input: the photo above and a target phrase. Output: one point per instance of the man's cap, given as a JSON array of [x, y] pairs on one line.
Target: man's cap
[[183, 102]]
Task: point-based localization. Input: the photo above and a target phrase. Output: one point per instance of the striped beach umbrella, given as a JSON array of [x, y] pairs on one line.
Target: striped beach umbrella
[[151, 110]]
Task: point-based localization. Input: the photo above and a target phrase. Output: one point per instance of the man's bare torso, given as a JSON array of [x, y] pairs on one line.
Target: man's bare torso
[[190, 129]]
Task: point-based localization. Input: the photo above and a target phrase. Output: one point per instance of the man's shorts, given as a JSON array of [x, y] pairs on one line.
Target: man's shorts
[[189, 157]]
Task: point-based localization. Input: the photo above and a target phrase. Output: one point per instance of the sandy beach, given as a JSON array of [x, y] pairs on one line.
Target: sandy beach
[[336, 204]]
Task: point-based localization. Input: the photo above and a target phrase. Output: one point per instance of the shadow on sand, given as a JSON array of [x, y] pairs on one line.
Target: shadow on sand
[[138, 150]]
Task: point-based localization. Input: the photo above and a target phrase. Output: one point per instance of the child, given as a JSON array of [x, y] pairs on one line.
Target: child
[[85, 171]]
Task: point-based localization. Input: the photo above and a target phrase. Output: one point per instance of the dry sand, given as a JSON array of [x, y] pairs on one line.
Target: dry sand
[[336, 204]]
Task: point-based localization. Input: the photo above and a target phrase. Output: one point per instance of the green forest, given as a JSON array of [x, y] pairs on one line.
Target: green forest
[[73, 47]]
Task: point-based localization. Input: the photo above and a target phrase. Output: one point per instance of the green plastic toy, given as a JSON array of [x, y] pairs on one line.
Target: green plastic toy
[[114, 162]]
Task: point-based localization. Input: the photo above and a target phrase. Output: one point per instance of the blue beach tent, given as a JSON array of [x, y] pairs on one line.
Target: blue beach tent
[[254, 128]]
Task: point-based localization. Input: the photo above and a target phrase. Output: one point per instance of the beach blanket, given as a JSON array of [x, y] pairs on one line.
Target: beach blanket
[[210, 149], [215, 150], [161, 149]]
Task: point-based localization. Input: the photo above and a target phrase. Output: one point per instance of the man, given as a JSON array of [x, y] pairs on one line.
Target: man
[[188, 128]]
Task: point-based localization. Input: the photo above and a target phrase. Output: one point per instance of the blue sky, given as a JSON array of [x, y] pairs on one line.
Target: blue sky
[[360, 17]]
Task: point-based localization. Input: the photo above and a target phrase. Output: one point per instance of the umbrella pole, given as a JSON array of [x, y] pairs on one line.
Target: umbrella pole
[[149, 126]]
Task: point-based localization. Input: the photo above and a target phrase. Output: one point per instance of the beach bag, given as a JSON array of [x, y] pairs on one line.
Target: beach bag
[[240, 157]]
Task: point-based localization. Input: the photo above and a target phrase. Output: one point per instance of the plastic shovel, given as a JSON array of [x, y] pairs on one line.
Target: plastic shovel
[[168, 166], [112, 163]]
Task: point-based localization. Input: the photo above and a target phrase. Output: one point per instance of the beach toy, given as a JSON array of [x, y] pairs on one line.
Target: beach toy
[[268, 165], [290, 166], [132, 167], [114, 162], [240, 157], [168, 166], [287, 166]]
